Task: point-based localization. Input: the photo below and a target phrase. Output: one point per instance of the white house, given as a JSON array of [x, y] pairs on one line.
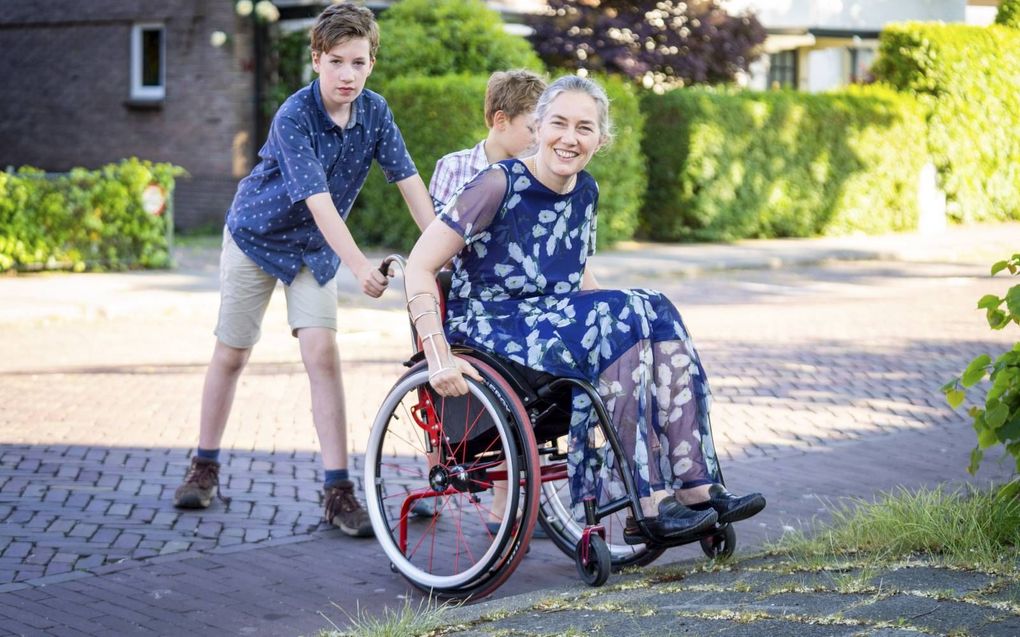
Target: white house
[[815, 45]]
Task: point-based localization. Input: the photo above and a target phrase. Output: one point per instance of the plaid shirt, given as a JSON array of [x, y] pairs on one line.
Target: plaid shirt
[[455, 170]]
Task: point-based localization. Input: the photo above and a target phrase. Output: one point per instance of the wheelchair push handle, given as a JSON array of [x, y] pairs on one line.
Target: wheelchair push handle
[[384, 267]]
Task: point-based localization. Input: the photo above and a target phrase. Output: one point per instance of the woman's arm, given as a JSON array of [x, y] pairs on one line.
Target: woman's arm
[[436, 246]]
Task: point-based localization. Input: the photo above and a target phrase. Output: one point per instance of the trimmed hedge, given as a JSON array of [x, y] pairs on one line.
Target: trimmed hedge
[[734, 165], [438, 115], [441, 37], [85, 219], [970, 78]]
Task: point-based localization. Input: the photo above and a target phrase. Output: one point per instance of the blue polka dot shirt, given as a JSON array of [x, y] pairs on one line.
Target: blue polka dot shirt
[[307, 154]]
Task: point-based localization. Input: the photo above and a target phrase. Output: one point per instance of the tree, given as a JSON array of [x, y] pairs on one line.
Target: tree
[[437, 37], [655, 42], [1008, 13]]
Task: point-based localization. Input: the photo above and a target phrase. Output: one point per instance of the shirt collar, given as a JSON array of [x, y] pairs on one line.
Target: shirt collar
[[327, 121], [477, 157]]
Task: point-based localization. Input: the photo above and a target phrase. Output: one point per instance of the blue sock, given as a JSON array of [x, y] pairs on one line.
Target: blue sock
[[208, 454], [335, 475]]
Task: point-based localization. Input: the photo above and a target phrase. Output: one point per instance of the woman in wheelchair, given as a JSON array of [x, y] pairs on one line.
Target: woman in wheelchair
[[519, 235]]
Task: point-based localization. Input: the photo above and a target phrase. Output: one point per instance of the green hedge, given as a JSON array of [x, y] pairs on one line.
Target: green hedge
[[85, 219], [970, 78], [441, 37], [438, 115], [733, 165]]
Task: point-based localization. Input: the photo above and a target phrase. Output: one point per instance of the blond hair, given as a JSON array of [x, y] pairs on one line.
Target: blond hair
[[341, 22], [513, 92]]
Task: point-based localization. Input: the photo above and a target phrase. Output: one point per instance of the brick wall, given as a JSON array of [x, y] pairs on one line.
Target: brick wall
[[65, 89]]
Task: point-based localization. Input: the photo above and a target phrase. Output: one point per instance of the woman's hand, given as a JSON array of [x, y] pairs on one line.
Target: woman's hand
[[450, 381]]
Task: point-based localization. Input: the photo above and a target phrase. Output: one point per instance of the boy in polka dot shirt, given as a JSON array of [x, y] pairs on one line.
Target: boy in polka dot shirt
[[286, 223]]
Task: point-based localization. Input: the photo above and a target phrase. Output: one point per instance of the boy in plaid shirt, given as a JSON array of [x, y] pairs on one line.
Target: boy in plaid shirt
[[510, 99]]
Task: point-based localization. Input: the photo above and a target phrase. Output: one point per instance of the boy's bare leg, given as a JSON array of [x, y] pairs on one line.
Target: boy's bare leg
[[221, 377], [202, 482], [322, 363]]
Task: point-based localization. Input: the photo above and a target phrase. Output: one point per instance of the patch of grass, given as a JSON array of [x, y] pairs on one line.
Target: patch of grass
[[964, 528], [424, 620]]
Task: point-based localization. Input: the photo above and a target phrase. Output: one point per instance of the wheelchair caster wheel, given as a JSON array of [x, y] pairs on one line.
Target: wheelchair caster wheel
[[600, 561], [721, 544]]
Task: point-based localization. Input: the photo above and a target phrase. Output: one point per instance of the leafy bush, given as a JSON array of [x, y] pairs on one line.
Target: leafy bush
[[1008, 14], [85, 219], [438, 115], [998, 422], [733, 165], [440, 37], [968, 77]]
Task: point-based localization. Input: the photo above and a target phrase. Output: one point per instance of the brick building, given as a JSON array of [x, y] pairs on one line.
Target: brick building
[[87, 83]]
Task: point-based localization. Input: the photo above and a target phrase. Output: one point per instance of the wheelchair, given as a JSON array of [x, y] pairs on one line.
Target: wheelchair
[[455, 485]]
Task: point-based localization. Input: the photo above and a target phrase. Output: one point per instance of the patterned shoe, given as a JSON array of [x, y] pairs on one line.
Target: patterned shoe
[[201, 485], [345, 512]]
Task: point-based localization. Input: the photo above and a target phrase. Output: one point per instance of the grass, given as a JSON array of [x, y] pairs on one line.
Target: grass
[[420, 621], [967, 528], [962, 528]]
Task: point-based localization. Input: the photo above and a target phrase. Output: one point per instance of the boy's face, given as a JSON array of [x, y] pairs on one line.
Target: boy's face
[[343, 70], [516, 135]]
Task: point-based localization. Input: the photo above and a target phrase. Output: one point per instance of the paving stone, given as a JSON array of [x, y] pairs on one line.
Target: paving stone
[[939, 580], [941, 616]]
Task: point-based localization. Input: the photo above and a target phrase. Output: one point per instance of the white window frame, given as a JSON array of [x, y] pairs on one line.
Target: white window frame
[[138, 90]]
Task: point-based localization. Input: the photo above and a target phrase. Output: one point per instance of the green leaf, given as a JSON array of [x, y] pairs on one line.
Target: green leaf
[[997, 319], [999, 266], [975, 460], [976, 370], [989, 302], [1011, 431], [986, 437], [996, 415], [955, 398], [1013, 300], [1010, 490]]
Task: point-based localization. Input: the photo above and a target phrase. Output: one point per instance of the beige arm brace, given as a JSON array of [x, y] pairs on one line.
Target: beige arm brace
[[424, 312]]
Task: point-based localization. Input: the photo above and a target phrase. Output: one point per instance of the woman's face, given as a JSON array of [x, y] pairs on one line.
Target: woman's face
[[569, 134]]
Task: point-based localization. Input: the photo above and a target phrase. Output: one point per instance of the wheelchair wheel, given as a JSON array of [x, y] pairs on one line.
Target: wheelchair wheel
[[594, 571], [564, 525], [722, 544], [458, 454]]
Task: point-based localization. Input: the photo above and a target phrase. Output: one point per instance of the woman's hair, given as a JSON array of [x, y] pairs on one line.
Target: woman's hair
[[581, 85]]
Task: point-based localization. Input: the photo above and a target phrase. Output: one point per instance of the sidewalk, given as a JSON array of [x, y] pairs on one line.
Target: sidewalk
[[825, 365], [53, 296]]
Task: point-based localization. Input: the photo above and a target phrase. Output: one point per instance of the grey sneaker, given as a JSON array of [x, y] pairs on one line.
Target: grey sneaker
[[201, 485], [345, 512]]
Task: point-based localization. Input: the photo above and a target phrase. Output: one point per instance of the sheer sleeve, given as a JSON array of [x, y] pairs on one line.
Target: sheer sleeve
[[477, 203]]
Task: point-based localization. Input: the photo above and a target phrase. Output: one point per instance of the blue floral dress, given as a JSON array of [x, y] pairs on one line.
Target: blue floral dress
[[516, 293]]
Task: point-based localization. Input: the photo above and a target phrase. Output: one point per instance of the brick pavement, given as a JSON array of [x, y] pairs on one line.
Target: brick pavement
[[825, 381]]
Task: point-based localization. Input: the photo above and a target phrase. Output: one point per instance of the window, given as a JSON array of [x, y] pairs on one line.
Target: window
[[783, 69], [148, 67]]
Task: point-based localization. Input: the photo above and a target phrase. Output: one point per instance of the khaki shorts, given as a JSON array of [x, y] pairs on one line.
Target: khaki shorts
[[245, 290]]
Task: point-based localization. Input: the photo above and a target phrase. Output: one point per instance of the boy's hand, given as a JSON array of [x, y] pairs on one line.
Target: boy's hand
[[372, 281]]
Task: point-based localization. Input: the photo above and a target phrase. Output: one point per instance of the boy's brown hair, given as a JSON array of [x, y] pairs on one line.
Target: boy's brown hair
[[513, 92], [341, 22]]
